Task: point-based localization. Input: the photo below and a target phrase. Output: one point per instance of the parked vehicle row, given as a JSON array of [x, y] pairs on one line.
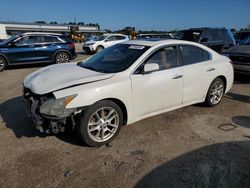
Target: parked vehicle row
[[29, 48], [240, 57], [123, 84]]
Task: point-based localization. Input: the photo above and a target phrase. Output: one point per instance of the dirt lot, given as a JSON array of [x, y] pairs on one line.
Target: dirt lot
[[189, 147]]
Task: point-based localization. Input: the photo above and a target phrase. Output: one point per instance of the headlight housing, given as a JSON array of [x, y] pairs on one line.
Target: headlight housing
[[57, 107]]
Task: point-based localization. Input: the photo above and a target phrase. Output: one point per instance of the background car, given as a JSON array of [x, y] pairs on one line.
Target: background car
[[240, 56], [103, 41], [123, 84], [155, 36], [29, 48], [218, 39], [242, 37]]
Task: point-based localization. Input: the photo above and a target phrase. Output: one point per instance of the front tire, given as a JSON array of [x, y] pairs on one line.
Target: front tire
[[2, 64], [99, 48], [215, 92], [100, 123], [62, 57]]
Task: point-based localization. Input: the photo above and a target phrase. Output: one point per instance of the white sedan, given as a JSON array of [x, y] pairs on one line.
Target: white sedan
[[124, 84]]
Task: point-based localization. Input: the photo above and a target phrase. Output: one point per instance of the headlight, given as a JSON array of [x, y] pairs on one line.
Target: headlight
[[57, 107]]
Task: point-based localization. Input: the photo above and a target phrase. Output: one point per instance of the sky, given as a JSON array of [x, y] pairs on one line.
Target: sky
[[141, 14]]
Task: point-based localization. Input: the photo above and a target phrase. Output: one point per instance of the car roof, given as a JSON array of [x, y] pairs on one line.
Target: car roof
[[111, 34], [158, 42], [42, 33]]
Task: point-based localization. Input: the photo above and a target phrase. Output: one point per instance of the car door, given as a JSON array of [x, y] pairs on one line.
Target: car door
[[20, 50], [46, 47], [198, 72], [159, 90], [27, 49]]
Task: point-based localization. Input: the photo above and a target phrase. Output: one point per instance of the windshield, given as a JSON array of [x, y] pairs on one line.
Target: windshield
[[9, 39], [114, 59], [100, 38]]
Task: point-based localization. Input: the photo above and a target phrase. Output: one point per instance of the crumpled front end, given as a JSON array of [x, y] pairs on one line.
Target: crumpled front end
[[48, 113]]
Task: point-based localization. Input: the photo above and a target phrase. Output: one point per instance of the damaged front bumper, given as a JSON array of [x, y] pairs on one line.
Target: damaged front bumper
[[47, 123]]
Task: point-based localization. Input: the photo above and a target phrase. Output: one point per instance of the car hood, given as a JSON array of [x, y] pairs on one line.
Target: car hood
[[56, 77], [244, 49]]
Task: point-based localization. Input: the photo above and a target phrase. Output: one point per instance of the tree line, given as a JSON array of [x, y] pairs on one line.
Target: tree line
[[69, 23]]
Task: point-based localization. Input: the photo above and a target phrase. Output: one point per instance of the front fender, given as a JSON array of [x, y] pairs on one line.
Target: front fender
[[88, 94]]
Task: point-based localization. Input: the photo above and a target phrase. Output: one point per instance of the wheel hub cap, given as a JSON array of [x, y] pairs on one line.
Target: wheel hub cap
[[103, 124]]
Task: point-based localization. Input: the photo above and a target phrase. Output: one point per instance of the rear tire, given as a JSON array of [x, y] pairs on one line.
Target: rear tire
[[3, 63], [215, 92], [62, 57], [100, 123]]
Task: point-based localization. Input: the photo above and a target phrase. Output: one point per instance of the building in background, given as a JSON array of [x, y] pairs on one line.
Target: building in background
[[10, 28]]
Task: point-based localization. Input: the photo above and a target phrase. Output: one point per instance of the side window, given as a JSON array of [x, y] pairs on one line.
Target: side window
[[206, 35], [49, 39], [26, 40], [166, 58], [216, 35], [120, 37], [111, 38], [192, 54]]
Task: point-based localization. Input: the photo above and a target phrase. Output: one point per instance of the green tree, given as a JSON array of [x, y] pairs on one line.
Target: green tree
[[40, 22]]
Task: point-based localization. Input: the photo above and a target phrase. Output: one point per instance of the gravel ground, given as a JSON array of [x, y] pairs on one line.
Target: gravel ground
[[194, 146]]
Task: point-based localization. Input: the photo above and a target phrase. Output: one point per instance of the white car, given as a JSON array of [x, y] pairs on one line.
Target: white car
[[104, 41], [123, 84]]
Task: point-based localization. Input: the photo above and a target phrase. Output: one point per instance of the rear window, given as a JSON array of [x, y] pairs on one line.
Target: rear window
[[66, 39], [45, 39]]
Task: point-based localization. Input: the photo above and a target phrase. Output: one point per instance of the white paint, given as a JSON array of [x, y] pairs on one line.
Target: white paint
[[144, 95]]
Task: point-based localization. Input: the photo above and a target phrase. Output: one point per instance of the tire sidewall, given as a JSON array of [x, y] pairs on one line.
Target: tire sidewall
[[4, 64], [208, 102], [99, 48], [86, 114]]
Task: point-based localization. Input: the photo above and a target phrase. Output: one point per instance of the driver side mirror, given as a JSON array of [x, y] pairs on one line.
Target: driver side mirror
[[106, 40], [150, 67]]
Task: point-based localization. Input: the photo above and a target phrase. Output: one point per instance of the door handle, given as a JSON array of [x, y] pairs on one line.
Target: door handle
[[210, 69], [177, 77]]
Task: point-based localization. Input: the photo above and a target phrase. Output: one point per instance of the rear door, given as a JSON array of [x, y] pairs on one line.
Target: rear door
[[198, 72], [46, 46]]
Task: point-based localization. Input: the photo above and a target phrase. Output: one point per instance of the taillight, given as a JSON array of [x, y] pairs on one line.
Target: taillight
[[70, 45]]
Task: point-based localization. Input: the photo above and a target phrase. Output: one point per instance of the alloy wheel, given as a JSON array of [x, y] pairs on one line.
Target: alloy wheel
[[103, 124], [216, 92], [62, 58]]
